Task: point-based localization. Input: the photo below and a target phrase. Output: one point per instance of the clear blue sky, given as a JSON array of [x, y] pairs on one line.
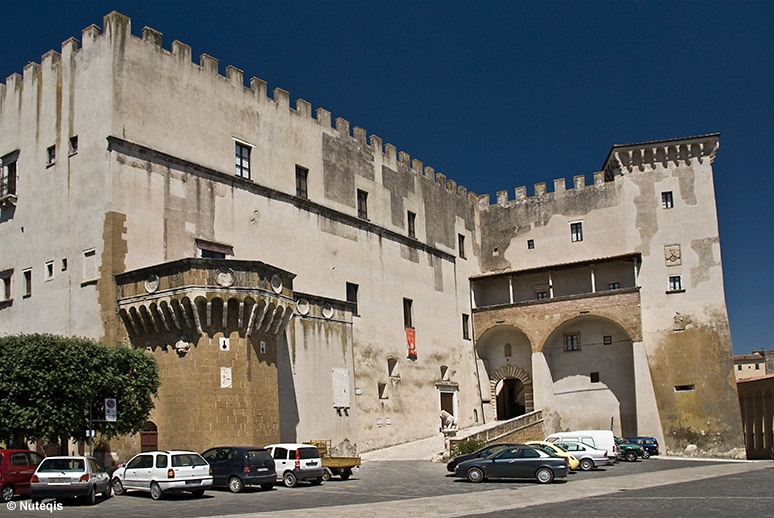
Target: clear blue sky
[[501, 94]]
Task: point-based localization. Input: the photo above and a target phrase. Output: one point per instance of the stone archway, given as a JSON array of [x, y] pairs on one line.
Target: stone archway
[[510, 372]]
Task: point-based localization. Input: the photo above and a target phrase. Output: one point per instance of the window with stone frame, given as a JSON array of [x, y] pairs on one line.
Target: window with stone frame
[[242, 159], [572, 342]]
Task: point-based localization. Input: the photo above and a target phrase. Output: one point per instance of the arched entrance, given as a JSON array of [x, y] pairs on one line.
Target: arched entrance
[[509, 397], [512, 394], [149, 438]]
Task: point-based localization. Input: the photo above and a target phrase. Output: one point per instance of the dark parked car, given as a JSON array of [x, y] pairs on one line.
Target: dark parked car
[[238, 466], [58, 477], [520, 461], [16, 469], [628, 450], [484, 452], [648, 444]]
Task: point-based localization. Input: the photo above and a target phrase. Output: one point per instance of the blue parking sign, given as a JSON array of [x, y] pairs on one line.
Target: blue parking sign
[[111, 413]]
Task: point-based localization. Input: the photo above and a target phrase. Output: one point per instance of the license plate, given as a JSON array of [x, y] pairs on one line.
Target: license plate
[[262, 469], [191, 482], [311, 464], [59, 481]]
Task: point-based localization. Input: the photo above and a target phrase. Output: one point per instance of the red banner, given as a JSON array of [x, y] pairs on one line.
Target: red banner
[[412, 343]]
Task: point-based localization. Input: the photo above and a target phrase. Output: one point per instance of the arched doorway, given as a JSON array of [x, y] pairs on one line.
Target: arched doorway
[[510, 398], [149, 438]]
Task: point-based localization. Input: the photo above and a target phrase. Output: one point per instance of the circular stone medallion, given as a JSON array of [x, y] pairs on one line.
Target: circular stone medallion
[[276, 283], [327, 310], [302, 306], [152, 283], [225, 277]]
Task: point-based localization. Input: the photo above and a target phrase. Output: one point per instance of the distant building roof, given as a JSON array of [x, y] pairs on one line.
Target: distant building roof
[[748, 357]]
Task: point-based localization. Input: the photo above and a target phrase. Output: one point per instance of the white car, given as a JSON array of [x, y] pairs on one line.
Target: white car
[[295, 462], [587, 456], [162, 472], [67, 476]]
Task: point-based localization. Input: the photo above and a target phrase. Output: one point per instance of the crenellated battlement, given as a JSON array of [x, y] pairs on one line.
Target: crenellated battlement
[[117, 29], [542, 194]]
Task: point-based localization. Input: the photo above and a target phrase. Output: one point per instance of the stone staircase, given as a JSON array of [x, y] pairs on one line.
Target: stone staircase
[[525, 427]]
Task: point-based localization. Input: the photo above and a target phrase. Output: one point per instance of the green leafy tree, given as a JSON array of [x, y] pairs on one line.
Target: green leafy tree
[[48, 383]]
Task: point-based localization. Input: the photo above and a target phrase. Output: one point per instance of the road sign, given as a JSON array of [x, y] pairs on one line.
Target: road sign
[[111, 413]]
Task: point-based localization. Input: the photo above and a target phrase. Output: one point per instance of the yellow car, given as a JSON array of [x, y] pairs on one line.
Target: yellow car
[[553, 449]]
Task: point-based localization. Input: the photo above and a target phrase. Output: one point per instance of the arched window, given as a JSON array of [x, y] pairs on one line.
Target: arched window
[[507, 350]]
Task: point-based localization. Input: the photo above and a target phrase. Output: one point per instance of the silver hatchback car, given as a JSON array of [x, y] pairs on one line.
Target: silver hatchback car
[[587, 456], [66, 476]]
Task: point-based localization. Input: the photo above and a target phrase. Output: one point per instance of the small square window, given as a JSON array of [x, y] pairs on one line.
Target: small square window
[[465, 327], [684, 388], [607, 340], [530, 244], [412, 221], [74, 145], [614, 286], [572, 342], [461, 241], [51, 155], [667, 201], [362, 204], [541, 295], [757, 366], [576, 232], [739, 367], [301, 179], [675, 283], [594, 377], [242, 160]]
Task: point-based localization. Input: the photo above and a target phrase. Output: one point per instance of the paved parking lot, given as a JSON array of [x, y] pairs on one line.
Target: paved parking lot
[[421, 488]]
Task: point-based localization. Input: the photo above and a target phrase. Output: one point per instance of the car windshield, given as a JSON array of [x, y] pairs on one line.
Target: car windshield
[[61, 465], [308, 453], [257, 455], [182, 460]]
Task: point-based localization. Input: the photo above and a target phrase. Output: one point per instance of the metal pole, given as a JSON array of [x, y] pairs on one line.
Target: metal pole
[[90, 430]]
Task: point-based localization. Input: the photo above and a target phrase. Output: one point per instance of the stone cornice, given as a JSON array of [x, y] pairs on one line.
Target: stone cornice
[[627, 157]]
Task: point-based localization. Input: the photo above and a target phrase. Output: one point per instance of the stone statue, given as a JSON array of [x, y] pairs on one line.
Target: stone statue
[[449, 421]]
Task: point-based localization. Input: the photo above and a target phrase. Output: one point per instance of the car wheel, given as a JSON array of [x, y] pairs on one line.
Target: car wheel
[[475, 475], [544, 475], [289, 479], [156, 492], [7, 493], [586, 464], [631, 455], [118, 487], [107, 492], [645, 454], [345, 473], [327, 474], [267, 487], [316, 481], [235, 485], [91, 498], [198, 493]]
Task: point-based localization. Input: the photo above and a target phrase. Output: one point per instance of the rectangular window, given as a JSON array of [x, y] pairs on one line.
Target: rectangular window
[[301, 176], [572, 342], [530, 244], [607, 340], [6, 278], [757, 366], [594, 377], [89, 265], [51, 155], [27, 282], [49, 271], [666, 200], [675, 283], [614, 286], [684, 388], [362, 204], [352, 295], [242, 160], [210, 250], [412, 221], [739, 367], [465, 327], [382, 387], [8, 175], [541, 295], [576, 231], [64, 264], [408, 317], [73, 145], [461, 241]]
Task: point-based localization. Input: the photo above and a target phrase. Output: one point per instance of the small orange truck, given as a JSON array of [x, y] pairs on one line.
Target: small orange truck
[[334, 466]]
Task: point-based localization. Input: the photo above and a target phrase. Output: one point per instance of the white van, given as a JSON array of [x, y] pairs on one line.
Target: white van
[[599, 439]]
